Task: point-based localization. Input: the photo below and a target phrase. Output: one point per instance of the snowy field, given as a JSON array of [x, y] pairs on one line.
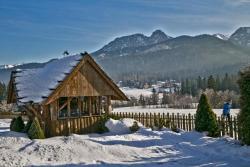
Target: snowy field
[[167, 110], [144, 148]]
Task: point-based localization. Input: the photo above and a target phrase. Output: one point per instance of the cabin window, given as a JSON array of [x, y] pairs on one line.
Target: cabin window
[[74, 109], [63, 112]]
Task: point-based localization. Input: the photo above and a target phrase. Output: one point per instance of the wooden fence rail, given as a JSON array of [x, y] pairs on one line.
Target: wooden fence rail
[[182, 121]]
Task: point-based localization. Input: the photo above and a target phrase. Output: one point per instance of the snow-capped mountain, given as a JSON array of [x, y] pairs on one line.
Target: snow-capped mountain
[[122, 45], [241, 37], [221, 36]]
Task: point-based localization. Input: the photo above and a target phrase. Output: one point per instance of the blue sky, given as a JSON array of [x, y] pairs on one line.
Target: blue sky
[[38, 30]]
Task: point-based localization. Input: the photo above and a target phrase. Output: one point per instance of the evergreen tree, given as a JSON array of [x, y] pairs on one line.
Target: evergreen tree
[[199, 82], [211, 83], [35, 131], [244, 115], [225, 82], [205, 119], [154, 97], [164, 98], [217, 83], [204, 83], [142, 101], [12, 123], [18, 125]]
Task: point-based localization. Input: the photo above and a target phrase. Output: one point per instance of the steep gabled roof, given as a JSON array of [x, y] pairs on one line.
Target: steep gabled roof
[[38, 85]]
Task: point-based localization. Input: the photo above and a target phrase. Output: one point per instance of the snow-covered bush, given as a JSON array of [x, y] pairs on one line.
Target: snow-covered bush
[[121, 126], [135, 127], [205, 119], [101, 128], [35, 131], [244, 115], [17, 125]]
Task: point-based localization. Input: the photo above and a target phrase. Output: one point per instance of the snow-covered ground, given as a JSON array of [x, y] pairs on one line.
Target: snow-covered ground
[[167, 110], [144, 148], [129, 92]]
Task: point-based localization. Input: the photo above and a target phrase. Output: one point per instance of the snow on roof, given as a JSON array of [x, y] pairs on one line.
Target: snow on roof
[[34, 84]]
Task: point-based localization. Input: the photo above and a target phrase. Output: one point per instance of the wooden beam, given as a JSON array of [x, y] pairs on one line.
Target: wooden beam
[[90, 105]]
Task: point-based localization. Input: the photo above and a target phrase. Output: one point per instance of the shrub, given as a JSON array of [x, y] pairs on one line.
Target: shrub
[[18, 125], [27, 126], [175, 129], [205, 119], [244, 115], [35, 131], [135, 127], [12, 123]]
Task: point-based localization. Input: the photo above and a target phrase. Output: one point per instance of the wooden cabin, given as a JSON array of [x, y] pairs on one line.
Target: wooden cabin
[[67, 95]]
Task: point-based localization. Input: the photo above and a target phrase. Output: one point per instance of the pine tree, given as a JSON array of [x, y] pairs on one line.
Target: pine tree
[[244, 115], [205, 119], [217, 83], [18, 125], [211, 83], [142, 101], [35, 131], [199, 82], [154, 97]]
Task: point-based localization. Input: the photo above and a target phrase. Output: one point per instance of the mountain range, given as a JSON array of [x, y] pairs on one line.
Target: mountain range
[[161, 56]]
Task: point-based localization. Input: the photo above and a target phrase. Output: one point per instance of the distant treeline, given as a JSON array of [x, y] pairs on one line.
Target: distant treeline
[[217, 83]]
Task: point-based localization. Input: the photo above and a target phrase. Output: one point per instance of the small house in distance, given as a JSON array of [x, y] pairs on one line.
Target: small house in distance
[[67, 95]]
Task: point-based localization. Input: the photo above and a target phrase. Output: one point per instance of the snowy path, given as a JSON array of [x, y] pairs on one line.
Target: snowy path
[[144, 148]]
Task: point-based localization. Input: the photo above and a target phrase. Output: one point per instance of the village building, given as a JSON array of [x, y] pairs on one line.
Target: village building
[[67, 95]]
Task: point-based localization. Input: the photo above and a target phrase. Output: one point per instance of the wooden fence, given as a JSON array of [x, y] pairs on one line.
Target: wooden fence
[[186, 122]]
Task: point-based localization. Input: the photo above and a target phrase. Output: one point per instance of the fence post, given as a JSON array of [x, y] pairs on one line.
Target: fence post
[[189, 122], [223, 126], [178, 121], [219, 124], [173, 123], [150, 120], [184, 122], [231, 134], [235, 129]]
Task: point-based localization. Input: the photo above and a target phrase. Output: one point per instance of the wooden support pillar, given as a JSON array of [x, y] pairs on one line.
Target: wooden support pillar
[[99, 105], [79, 102], [68, 120], [90, 105], [109, 107]]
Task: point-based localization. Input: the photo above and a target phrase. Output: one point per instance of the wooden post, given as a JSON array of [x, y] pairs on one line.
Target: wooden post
[[99, 105], [68, 120], [108, 107], [189, 122], [90, 105]]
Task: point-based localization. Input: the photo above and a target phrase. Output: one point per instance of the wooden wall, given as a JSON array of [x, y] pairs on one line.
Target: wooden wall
[[86, 82], [64, 127]]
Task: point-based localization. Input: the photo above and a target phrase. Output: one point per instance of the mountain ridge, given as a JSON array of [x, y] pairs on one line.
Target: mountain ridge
[[166, 56]]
